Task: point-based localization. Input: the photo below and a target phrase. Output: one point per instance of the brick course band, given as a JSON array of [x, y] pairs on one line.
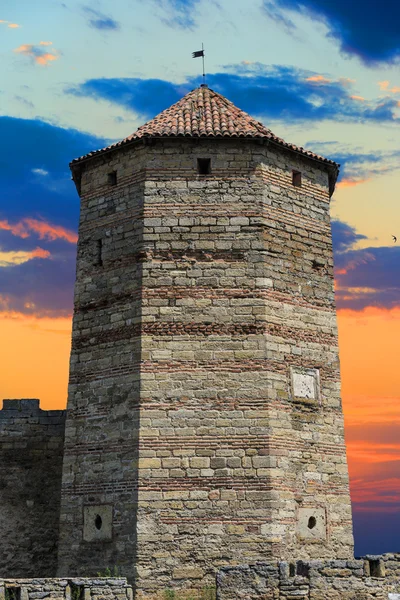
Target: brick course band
[[169, 329], [211, 293]]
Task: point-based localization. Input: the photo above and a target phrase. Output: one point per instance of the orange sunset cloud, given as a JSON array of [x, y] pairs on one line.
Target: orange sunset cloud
[[351, 182], [40, 56], [318, 79], [384, 85], [26, 227], [10, 25], [18, 257]]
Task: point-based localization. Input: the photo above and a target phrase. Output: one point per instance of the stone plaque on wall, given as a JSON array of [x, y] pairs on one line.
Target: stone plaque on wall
[[311, 523], [305, 383], [97, 523]]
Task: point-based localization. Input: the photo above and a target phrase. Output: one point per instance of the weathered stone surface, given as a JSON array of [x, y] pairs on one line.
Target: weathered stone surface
[[65, 589], [197, 298], [313, 580], [31, 450]]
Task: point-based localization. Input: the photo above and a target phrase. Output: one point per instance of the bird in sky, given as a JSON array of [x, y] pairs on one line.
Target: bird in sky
[[394, 238]]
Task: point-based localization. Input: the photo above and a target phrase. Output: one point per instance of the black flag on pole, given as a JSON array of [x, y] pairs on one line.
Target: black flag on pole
[[196, 55]]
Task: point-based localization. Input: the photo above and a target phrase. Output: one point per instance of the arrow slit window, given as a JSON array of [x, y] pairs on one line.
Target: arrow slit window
[[204, 166], [296, 178]]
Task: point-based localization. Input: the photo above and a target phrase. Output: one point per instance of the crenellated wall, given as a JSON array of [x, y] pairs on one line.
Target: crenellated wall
[[369, 578], [97, 588], [31, 449]]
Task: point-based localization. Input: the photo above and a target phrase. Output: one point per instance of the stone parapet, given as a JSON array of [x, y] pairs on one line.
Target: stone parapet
[[367, 578], [68, 589]]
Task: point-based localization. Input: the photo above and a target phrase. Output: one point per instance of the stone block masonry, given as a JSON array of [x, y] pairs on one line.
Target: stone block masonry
[[204, 423], [31, 449], [369, 578], [65, 589]]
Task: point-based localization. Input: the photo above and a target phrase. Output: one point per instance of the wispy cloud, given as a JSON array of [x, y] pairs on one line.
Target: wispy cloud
[[98, 20], [384, 85], [10, 25], [353, 34], [178, 13], [318, 79], [12, 258], [45, 231], [24, 101], [37, 53]]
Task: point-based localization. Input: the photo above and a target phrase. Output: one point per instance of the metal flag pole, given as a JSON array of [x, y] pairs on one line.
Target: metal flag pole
[[204, 73], [196, 55]]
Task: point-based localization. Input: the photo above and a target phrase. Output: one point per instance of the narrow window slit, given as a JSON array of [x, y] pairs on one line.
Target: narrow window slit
[[99, 253], [204, 166], [112, 178], [296, 178], [98, 522]]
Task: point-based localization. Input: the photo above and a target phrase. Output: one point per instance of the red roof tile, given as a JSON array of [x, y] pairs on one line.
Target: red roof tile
[[205, 113]]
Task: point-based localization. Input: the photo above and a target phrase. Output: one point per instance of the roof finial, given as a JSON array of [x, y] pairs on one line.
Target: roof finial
[[196, 55]]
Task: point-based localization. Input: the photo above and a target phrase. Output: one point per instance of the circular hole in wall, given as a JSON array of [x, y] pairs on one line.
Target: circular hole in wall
[[98, 522], [312, 521]]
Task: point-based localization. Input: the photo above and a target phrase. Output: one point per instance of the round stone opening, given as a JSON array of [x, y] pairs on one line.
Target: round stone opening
[[98, 522], [312, 521]]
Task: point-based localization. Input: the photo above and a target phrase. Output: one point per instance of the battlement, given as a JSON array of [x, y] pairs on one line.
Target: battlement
[[23, 408], [31, 405]]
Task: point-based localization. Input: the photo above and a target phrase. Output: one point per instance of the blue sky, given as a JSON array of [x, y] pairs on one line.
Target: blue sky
[[323, 74]]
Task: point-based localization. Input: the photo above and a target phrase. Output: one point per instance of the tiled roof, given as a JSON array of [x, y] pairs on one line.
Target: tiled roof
[[205, 113]]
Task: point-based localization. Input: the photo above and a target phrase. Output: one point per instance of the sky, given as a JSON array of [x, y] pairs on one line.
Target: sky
[[322, 74]]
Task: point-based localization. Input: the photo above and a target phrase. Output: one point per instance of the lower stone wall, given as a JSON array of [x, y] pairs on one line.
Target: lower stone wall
[[31, 452], [68, 589], [368, 578]]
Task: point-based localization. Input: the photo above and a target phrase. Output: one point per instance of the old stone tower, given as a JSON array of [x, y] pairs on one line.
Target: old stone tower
[[204, 424]]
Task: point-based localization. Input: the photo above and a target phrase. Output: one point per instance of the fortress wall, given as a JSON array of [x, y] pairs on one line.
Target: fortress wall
[[31, 448], [369, 578]]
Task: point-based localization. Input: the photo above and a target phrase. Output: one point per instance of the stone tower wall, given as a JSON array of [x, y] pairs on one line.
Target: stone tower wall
[[31, 447], [195, 346]]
